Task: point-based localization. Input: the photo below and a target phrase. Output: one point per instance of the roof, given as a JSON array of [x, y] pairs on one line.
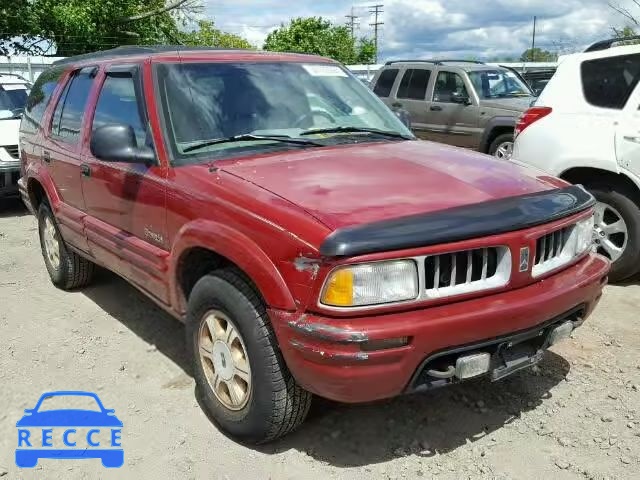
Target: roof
[[12, 78], [152, 50]]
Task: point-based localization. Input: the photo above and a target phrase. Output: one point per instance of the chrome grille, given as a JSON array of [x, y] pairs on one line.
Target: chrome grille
[[552, 251], [13, 151], [466, 271]]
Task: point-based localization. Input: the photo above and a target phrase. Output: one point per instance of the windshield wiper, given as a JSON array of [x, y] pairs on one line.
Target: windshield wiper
[[376, 131], [249, 137]]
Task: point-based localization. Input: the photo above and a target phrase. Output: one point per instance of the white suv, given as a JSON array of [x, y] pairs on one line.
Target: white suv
[[13, 96], [585, 128]]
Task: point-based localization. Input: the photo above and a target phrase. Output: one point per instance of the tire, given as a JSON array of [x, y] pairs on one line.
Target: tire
[[70, 270], [499, 140], [616, 196], [275, 403]]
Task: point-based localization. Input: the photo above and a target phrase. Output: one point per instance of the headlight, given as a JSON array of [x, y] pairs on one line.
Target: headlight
[[371, 284], [584, 235]]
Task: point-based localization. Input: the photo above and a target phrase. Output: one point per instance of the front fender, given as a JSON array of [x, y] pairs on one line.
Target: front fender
[[495, 122], [239, 249]]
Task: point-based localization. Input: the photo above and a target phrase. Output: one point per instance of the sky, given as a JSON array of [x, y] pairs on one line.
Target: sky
[[482, 29]]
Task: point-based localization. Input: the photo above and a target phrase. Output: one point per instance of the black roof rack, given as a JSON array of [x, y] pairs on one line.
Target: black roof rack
[[435, 62], [605, 44], [131, 50]]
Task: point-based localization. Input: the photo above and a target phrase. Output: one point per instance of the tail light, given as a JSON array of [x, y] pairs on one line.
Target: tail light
[[531, 116]]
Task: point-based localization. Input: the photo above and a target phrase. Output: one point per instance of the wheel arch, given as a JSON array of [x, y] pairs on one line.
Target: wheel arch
[[203, 246], [495, 127], [606, 178]]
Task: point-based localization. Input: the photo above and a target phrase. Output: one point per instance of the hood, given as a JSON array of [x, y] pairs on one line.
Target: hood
[[357, 184], [9, 131], [516, 104], [73, 418]]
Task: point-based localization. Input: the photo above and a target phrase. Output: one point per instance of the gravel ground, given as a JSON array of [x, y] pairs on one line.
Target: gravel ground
[[576, 416]]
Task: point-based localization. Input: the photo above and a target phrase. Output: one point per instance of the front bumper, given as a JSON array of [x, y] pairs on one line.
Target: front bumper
[[337, 358], [9, 175]]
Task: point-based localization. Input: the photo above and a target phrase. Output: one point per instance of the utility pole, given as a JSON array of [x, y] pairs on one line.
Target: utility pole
[[376, 10], [533, 41], [352, 22]]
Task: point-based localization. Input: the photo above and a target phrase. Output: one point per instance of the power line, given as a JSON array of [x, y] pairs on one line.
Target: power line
[[376, 10]]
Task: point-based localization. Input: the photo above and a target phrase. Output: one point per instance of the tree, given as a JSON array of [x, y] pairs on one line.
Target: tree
[[318, 36], [208, 35], [538, 55], [630, 29], [79, 26]]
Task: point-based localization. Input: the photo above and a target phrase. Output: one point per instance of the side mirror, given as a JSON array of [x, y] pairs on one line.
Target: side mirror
[[117, 143], [461, 98], [404, 116], [6, 114]]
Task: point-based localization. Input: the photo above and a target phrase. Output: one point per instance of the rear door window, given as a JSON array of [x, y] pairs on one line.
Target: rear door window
[[385, 82], [414, 84], [608, 82], [69, 112], [39, 98]]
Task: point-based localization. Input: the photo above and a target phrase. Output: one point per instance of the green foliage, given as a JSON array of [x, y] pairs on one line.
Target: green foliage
[[538, 55], [208, 35], [318, 36], [80, 26]]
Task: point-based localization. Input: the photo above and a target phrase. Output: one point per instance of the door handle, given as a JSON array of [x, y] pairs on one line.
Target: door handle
[[86, 170], [630, 138], [46, 156], [435, 108], [396, 105]]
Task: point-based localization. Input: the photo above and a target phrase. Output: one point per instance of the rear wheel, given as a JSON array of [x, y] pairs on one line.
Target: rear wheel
[[502, 146], [67, 269], [245, 384], [617, 230]]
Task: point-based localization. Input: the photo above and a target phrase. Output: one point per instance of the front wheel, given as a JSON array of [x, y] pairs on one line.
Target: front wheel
[[617, 230], [502, 146], [239, 370]]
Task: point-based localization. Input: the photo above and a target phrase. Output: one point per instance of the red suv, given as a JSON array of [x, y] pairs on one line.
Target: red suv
[[309, 242]]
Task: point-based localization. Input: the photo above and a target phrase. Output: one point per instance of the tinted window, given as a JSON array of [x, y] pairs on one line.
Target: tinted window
[[39, 99], [447, 84], [385, 82], [118, 104], [608, 82], [67, 118], [414, 84]]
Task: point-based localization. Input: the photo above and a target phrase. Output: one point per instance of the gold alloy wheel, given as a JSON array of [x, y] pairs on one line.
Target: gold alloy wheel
[[224, 360], [51, 243]]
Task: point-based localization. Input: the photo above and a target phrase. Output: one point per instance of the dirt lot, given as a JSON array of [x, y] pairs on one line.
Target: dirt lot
[[577, 416]]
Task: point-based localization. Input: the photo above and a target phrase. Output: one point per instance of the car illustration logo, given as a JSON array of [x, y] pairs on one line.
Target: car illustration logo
[[524, 259], [69, 433]]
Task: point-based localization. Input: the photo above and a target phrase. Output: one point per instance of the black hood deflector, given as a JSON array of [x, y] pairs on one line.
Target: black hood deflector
[[459, 223]]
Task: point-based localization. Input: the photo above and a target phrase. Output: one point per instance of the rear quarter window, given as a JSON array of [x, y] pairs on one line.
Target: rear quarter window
[[608, 82], [385, 82], [39, 98]]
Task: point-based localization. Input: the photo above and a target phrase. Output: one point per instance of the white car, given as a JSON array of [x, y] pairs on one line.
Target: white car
[[13, 96], [585, 128]]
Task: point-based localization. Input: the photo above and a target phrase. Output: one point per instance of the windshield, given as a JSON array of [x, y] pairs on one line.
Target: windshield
[[13, 97], [205, 102], [498, 83]]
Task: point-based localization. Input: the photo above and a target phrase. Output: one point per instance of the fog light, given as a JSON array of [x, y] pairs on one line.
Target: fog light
[[472, 365], [384, 344], [561, 333]]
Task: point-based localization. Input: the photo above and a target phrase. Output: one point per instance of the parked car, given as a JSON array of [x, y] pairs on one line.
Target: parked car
[[462, 103], [585, 128], [310, 249], [538, 79], [13, 95]]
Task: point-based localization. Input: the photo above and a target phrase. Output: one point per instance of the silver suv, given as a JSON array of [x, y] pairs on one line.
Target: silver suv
[[463, 103]]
